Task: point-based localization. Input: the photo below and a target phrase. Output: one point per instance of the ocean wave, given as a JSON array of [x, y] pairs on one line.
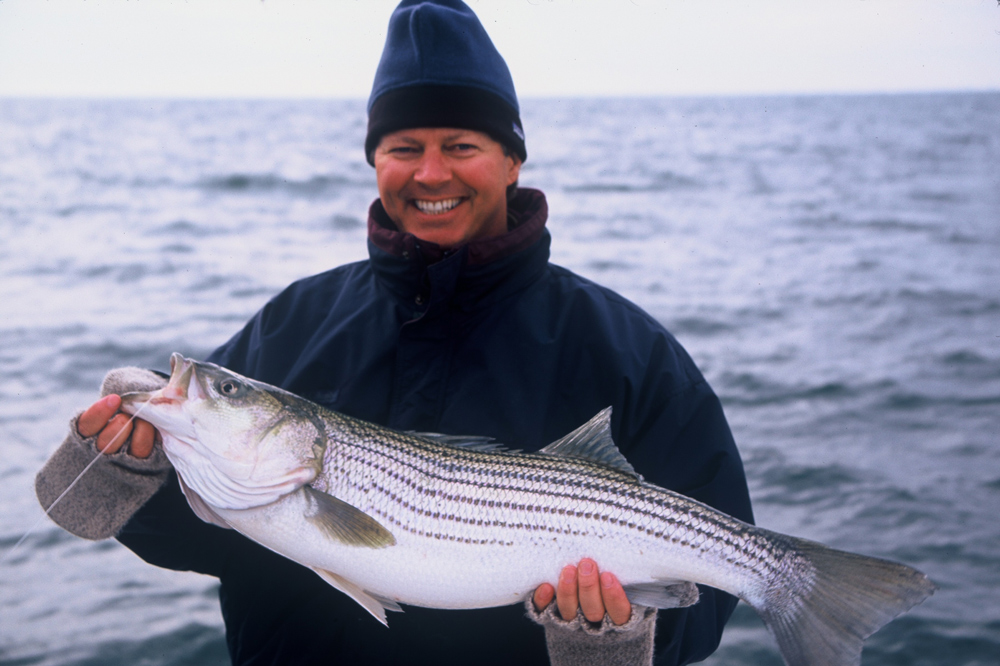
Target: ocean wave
[[917, 640], [797, 485], [753, 389], [269, 183], [185, 228], [909, 401], [700, 326], [661, 182], [889, 224], [193, 643]]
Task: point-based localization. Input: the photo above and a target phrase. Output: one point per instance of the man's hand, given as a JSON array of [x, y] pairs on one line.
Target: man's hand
[[593, 591], [113, 428]]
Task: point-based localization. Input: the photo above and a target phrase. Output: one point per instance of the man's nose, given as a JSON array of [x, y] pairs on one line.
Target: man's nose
[[433, 170]]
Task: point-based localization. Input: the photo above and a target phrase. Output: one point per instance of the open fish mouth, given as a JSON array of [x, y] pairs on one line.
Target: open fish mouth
[[179, 389], [180, 384]]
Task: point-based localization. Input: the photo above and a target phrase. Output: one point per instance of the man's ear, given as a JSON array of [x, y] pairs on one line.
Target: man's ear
[[514, 169]]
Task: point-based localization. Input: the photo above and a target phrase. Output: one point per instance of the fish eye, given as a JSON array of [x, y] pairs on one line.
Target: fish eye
[[230, 387]]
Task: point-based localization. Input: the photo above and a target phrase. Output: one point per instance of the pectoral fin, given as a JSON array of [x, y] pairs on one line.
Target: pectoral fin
[[341, 521], [201, 508], [663, 594], [372, 603]]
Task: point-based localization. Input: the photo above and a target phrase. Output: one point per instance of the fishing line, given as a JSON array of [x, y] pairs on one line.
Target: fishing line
[[63, 494]]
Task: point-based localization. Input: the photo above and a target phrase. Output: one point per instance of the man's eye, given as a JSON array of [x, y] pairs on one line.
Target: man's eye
[[403, 150]]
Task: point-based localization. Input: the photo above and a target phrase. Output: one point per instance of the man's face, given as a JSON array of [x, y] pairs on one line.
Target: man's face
[[445, 185]]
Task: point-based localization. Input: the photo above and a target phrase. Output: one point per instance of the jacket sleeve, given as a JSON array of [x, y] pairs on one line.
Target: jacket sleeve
[[97, 504]]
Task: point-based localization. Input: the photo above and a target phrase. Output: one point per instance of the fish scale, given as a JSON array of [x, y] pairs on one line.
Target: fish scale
[[365, 507]]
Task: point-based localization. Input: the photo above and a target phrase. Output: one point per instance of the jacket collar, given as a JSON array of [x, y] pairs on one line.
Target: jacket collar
[[426, 274]]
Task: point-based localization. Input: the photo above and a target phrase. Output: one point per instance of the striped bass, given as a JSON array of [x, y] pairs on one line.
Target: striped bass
[[361, 504]]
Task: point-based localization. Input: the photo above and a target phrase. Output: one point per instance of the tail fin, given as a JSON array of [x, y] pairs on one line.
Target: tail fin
[[850, 598]]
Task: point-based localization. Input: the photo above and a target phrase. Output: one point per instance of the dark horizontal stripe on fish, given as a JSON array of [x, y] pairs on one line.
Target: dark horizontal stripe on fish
[[479, 522]]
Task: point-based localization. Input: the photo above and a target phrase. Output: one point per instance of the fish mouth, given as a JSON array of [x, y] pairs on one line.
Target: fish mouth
[[175, 392]]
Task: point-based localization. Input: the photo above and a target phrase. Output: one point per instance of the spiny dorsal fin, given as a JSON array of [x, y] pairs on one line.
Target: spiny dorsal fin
[[592, 441], [470, 442], [345, 523]]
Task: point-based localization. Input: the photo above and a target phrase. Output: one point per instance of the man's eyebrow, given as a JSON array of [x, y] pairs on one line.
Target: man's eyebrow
[[461, 134]]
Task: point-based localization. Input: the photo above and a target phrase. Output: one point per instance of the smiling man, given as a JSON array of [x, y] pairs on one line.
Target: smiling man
[[457, 323], [446, 186]]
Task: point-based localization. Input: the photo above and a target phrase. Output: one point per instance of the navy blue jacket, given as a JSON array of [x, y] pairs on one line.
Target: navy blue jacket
[[492, 340]]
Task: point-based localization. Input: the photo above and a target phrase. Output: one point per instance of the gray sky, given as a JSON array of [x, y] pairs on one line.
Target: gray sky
[[330, 48]]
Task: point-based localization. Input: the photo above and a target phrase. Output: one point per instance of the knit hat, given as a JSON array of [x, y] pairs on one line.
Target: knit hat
[[440, 69]]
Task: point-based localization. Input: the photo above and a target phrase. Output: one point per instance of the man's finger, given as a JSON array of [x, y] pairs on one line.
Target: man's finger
[[615, 600], [114, 435], [566, 597], [143, 438], [543, 596], [590, 591], [93, 420]]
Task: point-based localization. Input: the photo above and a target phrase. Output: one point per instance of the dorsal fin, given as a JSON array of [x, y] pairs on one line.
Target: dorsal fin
[[592, 441], [470, 442]]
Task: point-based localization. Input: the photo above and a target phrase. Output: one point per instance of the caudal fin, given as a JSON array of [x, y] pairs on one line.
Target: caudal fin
[[824, 621]]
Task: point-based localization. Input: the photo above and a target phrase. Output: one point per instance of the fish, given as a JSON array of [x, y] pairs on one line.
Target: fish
[[361, 504]]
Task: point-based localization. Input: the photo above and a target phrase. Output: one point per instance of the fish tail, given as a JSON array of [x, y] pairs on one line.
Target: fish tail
[[832, 600]]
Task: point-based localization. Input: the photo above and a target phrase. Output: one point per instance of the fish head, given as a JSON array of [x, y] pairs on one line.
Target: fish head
[[235, 441]]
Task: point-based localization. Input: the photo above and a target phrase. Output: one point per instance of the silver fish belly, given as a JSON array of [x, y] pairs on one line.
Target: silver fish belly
[[428, 520]]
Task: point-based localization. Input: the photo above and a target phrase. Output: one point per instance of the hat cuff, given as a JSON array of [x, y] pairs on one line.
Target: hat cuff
[[427, 105]]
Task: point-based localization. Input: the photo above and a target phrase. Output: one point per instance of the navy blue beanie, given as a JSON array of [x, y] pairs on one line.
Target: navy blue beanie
[[440, 69]]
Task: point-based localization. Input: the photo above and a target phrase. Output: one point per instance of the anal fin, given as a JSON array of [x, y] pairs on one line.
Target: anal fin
[[663, 594], [372, 603]]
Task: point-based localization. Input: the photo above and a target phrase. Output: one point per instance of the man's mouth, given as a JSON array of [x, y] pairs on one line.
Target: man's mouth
[[436, 207]]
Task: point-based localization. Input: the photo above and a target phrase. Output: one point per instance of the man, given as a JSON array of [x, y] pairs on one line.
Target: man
[[456, 324]]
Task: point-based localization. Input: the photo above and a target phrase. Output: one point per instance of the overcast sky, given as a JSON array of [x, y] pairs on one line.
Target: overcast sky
[[330, 48]]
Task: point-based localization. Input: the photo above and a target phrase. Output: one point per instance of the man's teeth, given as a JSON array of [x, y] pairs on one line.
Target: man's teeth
[[436, 207]]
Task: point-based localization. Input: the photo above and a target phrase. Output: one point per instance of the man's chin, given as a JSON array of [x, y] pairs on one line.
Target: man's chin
[[445, 233], [445, 239]]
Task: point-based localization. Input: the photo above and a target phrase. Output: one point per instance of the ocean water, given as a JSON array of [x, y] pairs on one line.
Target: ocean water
[[831, 263]]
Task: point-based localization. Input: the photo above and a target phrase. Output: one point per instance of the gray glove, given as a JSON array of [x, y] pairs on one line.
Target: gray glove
[[580, 642], [111, 491]]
